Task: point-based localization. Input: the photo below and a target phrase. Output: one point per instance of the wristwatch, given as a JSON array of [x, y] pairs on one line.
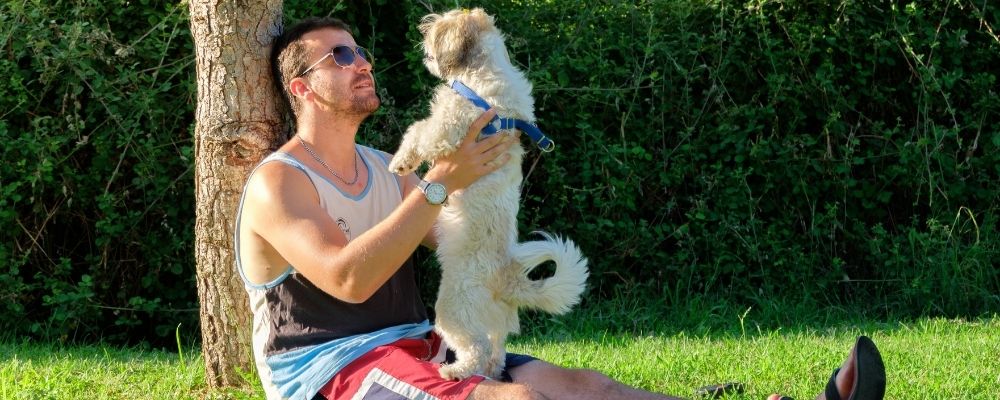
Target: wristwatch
[[435, 193]]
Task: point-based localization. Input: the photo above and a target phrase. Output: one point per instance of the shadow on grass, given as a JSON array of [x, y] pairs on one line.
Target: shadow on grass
[[642, 315]]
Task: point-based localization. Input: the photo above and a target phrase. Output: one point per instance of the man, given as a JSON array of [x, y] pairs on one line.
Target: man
[[324, 237]]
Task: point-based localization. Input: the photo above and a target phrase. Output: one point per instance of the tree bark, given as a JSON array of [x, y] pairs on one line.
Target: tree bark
[[237, 123]]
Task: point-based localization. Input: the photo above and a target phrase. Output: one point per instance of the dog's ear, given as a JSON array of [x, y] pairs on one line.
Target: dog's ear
[[452, 39]]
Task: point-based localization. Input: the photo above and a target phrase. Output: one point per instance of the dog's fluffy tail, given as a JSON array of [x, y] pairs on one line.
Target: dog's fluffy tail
[[555, 294]]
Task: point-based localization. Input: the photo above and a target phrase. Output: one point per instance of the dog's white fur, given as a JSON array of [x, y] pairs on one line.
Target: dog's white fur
[[484, 269]]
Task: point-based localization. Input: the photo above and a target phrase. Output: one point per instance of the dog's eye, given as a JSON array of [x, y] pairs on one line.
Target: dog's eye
[[428, 58]]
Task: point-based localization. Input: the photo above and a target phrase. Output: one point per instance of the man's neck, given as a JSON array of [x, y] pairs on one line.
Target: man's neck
[[332, 139]]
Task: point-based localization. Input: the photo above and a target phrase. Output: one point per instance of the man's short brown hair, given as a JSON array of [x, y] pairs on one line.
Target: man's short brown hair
[[289, 54]]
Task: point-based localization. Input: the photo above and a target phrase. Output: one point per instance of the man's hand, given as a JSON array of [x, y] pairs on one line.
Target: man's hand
[[473, 159]]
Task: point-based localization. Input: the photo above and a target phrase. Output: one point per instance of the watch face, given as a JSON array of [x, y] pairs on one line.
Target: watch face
[[436, 193]]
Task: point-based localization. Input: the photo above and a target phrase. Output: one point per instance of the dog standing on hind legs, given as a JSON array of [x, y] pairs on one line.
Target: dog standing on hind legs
[[484, 269]]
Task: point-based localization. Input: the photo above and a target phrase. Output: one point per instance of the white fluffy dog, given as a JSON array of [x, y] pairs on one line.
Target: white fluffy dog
[[484, 269]]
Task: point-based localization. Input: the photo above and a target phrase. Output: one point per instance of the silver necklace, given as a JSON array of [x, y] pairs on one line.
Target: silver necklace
[[315, 157]]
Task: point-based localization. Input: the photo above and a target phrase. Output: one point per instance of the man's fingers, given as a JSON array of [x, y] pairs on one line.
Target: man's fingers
[[487, 144], [478, 125], [499, 144], [497, 155], [498, 162]]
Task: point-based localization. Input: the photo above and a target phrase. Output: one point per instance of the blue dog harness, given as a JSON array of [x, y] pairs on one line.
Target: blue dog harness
[[499, 123]]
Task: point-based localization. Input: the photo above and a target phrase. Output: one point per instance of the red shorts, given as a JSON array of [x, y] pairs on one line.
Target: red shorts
[[400, 370]]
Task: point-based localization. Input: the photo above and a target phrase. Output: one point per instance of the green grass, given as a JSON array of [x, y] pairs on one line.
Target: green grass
[[926, 359], [48, 371]]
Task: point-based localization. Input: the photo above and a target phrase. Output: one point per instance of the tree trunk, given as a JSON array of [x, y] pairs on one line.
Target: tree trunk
[[237, 124]]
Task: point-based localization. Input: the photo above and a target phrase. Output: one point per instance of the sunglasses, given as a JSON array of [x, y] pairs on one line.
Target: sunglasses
[[344, 56]]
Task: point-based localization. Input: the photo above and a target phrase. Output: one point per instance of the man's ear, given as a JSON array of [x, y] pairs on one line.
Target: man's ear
[[299, 87]]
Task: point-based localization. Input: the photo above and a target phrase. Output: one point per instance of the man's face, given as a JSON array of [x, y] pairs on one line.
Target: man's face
[[346, 89]]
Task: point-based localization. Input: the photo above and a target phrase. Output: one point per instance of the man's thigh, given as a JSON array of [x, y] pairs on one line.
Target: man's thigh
[[557, 382], [528, 370], [492, 390]]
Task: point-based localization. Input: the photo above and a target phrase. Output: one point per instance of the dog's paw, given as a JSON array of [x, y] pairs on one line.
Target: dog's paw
[[403, 165], [458, 371]]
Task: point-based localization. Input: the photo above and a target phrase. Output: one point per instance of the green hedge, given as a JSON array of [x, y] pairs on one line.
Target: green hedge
[[96, 204], [753, 153]]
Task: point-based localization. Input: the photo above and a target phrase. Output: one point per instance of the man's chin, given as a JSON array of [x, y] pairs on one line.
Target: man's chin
[[368, 110], [367, 105]]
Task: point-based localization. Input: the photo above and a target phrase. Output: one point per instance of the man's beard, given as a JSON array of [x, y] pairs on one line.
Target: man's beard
[[363, 104], [356, 104]]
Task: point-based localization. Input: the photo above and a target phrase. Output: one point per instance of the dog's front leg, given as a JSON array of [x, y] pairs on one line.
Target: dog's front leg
[[407, 157], [442, 135]]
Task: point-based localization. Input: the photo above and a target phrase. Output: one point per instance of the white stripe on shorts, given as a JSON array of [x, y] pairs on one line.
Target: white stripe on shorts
[[382, 378]]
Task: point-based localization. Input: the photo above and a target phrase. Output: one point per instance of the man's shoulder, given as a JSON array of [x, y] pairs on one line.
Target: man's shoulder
[[275, 179]]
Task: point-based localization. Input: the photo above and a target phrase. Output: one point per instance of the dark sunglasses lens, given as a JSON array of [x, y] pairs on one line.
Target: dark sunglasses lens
[[344, 56], [365, 55]]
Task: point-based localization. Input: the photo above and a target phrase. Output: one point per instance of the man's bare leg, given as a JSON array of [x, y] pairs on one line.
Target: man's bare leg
[[556, 383], [489, 390]]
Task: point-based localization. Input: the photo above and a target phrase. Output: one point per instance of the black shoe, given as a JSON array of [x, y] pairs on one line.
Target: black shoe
[[869, 374]]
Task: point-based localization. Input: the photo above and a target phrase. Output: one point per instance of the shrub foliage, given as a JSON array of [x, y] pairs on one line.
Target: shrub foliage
[[838, 153]]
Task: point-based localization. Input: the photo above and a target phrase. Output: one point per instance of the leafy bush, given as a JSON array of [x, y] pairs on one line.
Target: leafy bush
[[97, 190], [755, 153]]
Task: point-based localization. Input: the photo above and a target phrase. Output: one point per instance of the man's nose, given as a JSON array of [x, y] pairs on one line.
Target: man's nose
[[362, 64]]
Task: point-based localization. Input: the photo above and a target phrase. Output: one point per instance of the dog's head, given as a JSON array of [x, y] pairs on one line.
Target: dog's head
[[458, 40]]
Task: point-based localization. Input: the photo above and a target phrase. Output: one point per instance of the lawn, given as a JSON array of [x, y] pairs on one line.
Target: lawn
[[925, 359]]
